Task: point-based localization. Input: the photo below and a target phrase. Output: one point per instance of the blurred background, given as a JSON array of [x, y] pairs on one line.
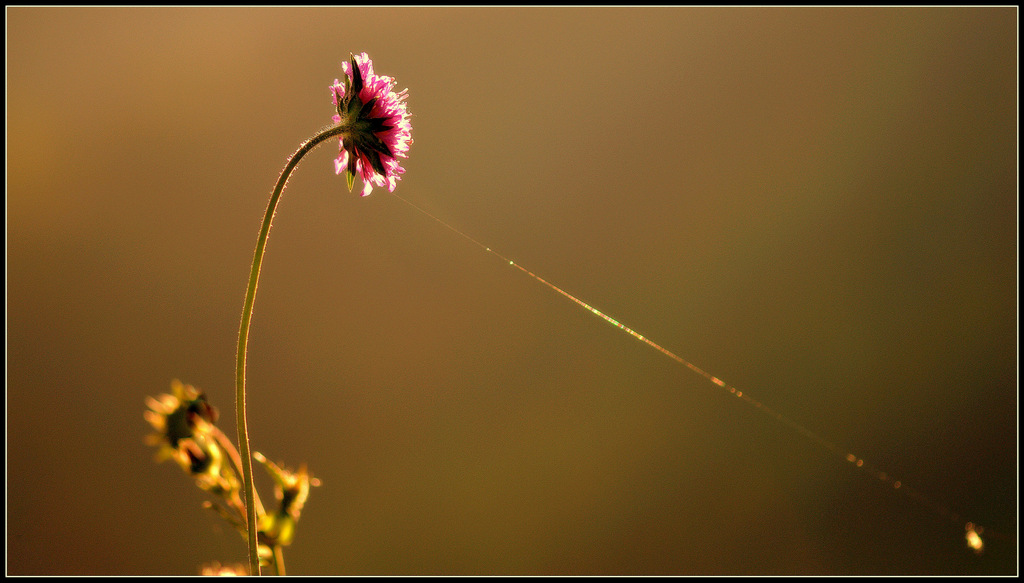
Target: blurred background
[[817, 206]]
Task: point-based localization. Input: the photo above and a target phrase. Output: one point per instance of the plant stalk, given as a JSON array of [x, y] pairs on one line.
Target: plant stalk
[[243, 339]]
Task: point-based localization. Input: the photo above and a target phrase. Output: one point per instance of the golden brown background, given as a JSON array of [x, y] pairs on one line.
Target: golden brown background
[[816, 205]]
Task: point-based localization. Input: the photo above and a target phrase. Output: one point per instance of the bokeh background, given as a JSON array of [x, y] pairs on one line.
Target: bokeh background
[[818, 206]]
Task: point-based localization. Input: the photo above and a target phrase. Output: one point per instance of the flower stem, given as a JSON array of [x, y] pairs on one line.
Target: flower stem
[[243, 337], [236, 465], [279, 560]]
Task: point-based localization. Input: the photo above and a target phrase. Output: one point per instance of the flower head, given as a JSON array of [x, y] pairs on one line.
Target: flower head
[[183, 421], [291, 490], [377, 128], [215, 569]]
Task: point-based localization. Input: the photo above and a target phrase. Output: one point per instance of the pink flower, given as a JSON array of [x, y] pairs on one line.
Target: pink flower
[[376, 123]]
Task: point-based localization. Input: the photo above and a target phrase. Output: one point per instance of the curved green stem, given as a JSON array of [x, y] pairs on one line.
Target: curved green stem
[[243, 337]]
